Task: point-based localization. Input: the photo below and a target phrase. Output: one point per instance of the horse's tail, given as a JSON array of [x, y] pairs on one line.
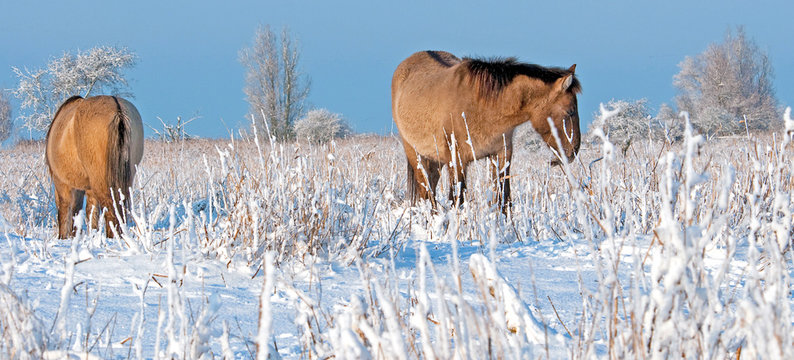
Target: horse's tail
[[411, 193], [119, 167]]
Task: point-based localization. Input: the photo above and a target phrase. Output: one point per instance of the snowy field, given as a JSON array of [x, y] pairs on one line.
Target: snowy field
[[241, 248]]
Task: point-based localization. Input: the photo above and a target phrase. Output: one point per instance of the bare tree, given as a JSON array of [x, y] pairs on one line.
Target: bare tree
[[6, 122], [176, 132], [321, 126], [97, 70], [275, 87], [728, 87]]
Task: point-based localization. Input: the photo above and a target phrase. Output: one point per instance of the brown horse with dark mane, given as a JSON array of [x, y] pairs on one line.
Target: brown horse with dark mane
[[452, 111], [93, 145]]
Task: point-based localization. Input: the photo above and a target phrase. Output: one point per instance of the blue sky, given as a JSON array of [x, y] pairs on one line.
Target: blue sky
[[188, 50]]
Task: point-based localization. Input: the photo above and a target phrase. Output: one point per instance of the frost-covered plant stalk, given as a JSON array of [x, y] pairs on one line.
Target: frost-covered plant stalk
[[688, 295], [265, 312]]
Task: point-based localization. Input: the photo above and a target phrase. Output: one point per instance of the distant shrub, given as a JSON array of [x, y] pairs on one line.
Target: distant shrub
[[669, 125], [525, 136], [631, 121], [320, 126]]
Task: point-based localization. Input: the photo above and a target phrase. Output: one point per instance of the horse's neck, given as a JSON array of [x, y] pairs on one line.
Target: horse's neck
[[523, 99]]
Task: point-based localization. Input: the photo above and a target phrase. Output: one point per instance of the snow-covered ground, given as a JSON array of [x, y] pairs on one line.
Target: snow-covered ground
[[662, 251], [115, 282]]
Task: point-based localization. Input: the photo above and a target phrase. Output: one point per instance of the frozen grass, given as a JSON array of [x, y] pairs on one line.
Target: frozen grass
[[679, 251]]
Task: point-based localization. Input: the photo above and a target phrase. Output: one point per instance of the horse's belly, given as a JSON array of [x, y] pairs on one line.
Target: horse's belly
[[426, 142]]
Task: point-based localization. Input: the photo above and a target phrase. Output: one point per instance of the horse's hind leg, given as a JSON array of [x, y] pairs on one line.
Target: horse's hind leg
[[92, 210], [422, 178], [77, 201], [107, 204], [65, 222], [69, 201], [410, 181]]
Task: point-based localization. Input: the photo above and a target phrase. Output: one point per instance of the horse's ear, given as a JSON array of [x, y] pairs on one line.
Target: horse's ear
[[566, 82]]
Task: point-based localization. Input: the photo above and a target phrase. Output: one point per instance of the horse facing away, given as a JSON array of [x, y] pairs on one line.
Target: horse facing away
[[93, 145], [452, 111]]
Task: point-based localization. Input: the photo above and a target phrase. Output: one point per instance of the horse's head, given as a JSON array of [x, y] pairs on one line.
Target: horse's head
[[562, 112]]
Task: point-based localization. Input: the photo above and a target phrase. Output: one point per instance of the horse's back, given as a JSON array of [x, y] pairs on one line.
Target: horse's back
[[422, 64], [419, 76]]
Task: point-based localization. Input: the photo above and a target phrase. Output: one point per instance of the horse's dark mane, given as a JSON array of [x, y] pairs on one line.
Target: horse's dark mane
[[493, 75]]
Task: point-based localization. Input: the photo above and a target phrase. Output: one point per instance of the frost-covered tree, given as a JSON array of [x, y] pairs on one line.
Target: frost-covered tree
[[98, 70], [632, 121], [274, 85], [320, 126], [6, 122], [725, 84], [668, 125]]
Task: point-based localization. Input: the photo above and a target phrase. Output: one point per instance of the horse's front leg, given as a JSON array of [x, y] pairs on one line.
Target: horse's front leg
[[422, 178], [500, 170], [457, 183]]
